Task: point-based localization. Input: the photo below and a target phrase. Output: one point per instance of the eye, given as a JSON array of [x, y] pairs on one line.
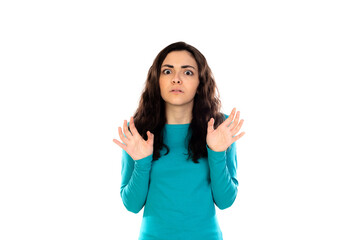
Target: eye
[[166, 71], [189, 73]]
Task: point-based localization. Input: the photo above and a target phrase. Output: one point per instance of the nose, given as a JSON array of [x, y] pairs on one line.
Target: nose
[[176, 79]]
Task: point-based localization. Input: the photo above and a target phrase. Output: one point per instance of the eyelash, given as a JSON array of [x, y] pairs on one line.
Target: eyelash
[[185, 71], [190, 72]]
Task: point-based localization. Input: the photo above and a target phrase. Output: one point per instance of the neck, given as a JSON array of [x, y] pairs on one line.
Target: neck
[[178, 114]]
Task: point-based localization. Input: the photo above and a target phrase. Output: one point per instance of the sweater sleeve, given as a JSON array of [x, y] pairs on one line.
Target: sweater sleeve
[[223, 177], [135, 181]]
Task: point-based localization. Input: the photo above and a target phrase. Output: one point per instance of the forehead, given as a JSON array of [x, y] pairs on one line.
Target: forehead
[[180, 58]]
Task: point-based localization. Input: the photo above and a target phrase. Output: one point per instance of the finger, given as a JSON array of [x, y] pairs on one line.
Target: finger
[[126, 130], [123, 146], [122, 137], [235, 122], [211, 125], [132, 127], [238, 137], [228, 121], [237, 129]]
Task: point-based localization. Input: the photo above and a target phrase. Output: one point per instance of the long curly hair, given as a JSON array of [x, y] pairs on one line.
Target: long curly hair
[[150, 114]]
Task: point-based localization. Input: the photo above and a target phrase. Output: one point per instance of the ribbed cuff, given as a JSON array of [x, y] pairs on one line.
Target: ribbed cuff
[[144, 163], [215, 156]]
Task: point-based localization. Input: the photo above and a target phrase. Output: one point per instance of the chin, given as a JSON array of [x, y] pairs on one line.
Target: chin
[[178, 103]]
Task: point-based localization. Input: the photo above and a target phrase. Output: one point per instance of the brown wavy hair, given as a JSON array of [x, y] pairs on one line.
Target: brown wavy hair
[[150, 115]]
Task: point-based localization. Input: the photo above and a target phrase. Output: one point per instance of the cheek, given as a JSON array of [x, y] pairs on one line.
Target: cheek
[[195, 86], [162, 86]]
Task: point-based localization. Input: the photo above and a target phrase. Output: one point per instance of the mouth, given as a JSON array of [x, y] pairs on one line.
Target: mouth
[[176, 91]]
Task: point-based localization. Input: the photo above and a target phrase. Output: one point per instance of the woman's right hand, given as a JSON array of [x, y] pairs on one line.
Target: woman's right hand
[[134, 144]]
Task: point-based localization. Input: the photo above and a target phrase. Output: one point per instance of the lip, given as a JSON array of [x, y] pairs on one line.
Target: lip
[[175, 90]]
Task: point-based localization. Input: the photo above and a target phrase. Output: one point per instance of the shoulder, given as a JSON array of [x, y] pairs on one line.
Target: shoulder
[[224, 116], [221, 117]]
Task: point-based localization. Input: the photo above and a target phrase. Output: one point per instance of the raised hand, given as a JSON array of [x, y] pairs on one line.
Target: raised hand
[[134, 144], [223, 136]]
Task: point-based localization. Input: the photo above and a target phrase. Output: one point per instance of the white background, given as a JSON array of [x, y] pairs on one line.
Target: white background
[[72, 71]]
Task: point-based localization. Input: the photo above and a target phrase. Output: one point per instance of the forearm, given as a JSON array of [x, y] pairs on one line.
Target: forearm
[[223, 185], [135, 184]]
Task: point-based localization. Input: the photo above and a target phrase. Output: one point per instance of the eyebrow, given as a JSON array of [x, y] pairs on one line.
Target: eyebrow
[[171, 66]]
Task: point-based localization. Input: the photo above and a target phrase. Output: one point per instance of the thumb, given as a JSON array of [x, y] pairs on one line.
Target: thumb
[[150, 137], [211, 125]]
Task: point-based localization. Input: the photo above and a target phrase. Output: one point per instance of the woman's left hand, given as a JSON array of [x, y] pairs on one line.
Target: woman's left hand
[[223, 136]]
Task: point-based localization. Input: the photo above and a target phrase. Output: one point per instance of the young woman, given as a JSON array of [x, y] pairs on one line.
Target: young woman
[[179, 153]]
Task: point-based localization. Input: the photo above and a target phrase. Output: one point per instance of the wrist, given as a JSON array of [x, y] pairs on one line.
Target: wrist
[[215, 149], [137, 158]]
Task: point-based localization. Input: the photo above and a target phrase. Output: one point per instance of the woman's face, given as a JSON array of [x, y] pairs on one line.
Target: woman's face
[[179, 78]]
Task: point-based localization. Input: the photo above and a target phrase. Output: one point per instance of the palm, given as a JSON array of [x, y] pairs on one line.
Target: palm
[[223, 136], [139, 146], [219, 138], [134, 144]]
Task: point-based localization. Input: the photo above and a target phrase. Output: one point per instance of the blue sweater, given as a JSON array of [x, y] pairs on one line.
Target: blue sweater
[[178, 194]]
